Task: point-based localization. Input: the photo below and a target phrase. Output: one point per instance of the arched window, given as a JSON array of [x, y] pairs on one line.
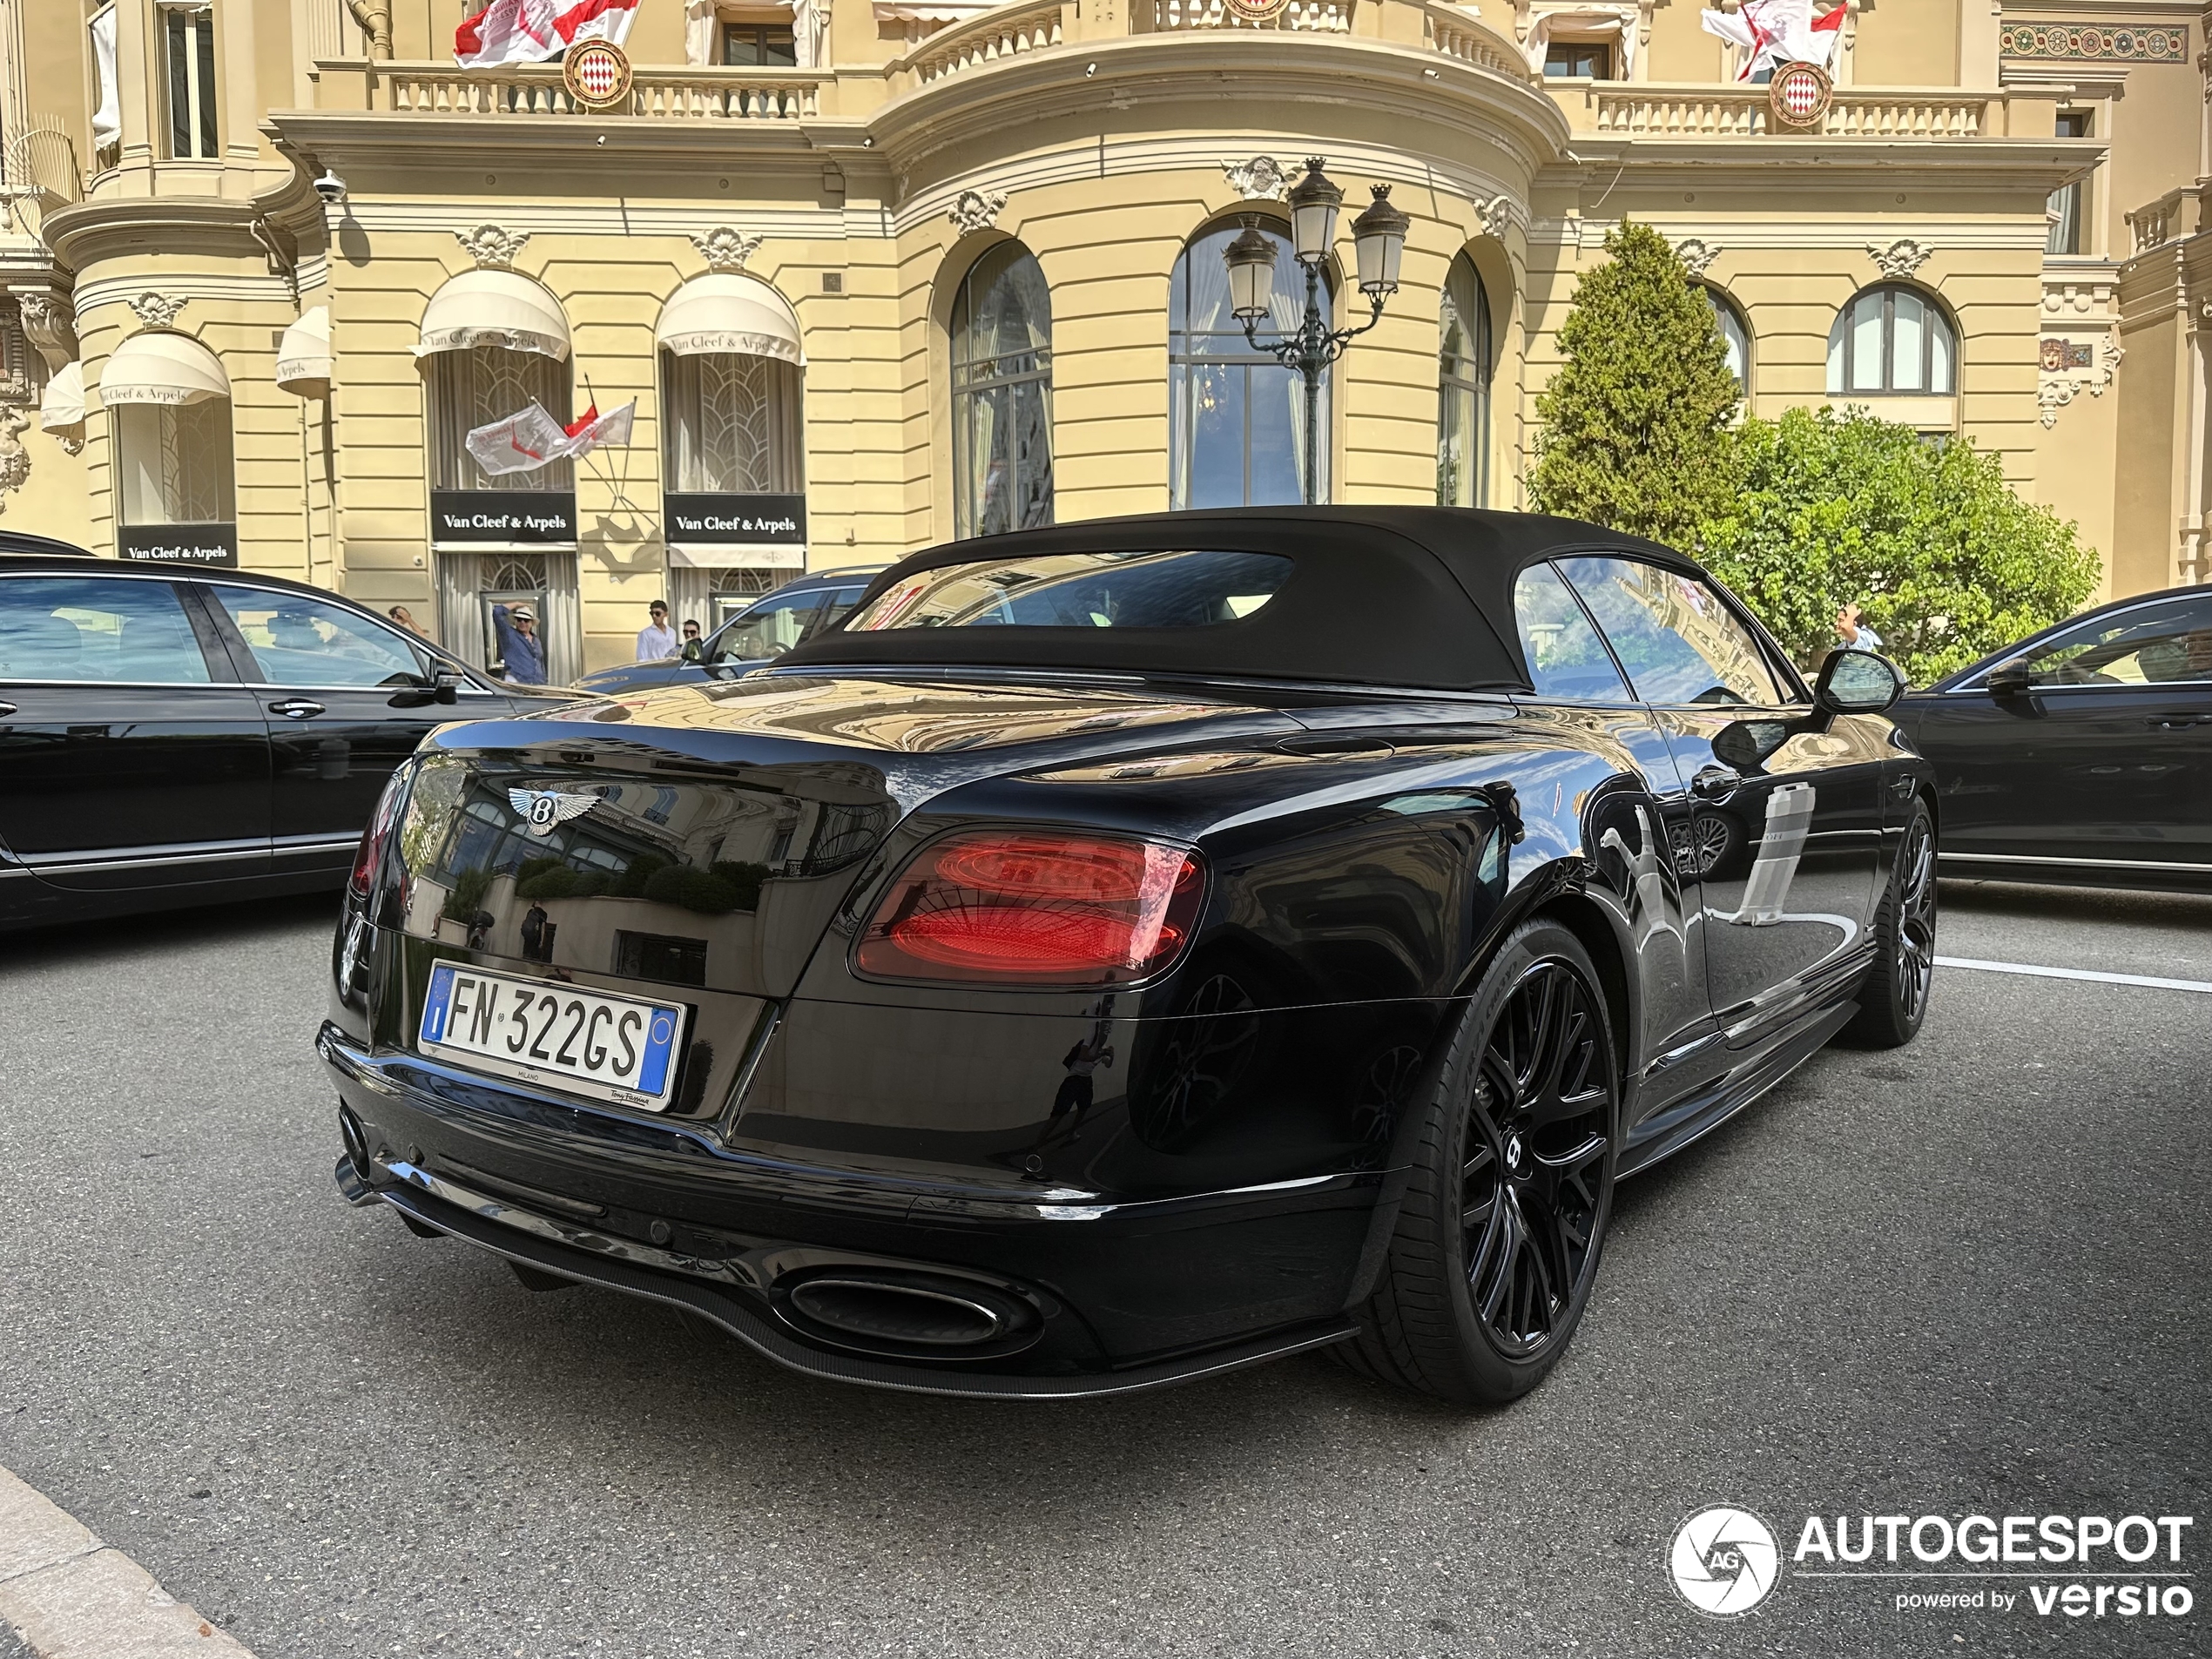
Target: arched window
[[1463, 367], [1893, 340], [1736, 337], [1001, 329], [474, 387], [171, 399], [1237, 417]]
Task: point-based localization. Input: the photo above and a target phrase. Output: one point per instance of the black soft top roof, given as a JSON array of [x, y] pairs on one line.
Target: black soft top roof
[[1386, 595]]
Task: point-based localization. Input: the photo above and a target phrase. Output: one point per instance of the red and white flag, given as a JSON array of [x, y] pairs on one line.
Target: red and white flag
[[526, 442], [529, 31], [1771, 33], [521, 442], [593, 429]]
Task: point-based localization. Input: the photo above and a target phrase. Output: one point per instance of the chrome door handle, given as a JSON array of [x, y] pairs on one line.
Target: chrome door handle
[[2178, 722], [1715, 783], [296, 708]]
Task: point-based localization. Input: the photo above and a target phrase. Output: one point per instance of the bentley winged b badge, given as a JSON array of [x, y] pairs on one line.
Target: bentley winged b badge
[[542, 808]]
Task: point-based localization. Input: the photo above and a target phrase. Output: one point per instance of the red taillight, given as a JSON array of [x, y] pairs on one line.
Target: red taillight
[[370, 853], [1033, 908]]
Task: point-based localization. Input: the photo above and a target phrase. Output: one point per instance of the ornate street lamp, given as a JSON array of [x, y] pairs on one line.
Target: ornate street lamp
[[1379, 242]]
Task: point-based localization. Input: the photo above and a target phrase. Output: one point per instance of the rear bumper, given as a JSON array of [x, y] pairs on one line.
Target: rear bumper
[[1127, 1296]]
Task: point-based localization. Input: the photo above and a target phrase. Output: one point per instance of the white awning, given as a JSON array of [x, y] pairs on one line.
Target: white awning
[[710, 556], [494, 308], [161, 368], [303, 356], [62, 407], [730, 312]]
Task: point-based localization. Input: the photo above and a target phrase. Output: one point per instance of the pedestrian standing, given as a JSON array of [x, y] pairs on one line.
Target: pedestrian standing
[[656, 643], [693, 650], [520, 648], [405, 618], [1853, 629]]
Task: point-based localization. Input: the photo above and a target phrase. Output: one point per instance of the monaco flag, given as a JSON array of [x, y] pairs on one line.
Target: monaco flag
[[1772, 32], [526, 442], [529, 31]]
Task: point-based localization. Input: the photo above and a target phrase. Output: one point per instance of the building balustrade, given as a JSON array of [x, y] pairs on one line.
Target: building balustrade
[[538, 89], [1305, 17], [1692, 111], [2164, 220], [996, 34]]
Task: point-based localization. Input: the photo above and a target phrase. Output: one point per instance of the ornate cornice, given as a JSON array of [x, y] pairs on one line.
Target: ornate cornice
[[725, 249], [157, 311], [492, 247], [1261, 179], [1696, 253], [975, 210], [1901, 259]]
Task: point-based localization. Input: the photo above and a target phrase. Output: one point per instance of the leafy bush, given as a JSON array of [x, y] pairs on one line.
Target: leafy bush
[[746, 878], [467, 895], [546, 879], [1637, 423], [632, 882], [1949, 564], [694, 889]]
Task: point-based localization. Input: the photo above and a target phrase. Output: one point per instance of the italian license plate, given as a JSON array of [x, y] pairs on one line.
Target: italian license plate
[[609, 1048]]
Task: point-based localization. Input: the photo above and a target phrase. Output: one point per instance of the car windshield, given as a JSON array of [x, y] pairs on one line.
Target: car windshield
[[1183, 588]]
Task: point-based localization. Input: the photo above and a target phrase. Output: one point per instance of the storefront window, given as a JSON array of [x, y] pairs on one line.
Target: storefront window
[[1463, 389], [1002, 330], [1237, 417], [477, 386], [173, 462], [734, 424]]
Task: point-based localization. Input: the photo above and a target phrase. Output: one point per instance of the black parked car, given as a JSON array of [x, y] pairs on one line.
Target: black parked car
[[761, 633], [1134, 949], [173, 738], [2082, 754]]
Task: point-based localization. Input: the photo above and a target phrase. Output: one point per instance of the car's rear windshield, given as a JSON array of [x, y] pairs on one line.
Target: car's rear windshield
[[1180, 587]]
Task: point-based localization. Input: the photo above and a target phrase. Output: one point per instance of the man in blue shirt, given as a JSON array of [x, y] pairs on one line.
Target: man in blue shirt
[[520, 648]]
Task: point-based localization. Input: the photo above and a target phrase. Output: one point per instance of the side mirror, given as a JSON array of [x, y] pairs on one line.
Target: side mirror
[[445, 684], [1857, 681], [2009, 679]]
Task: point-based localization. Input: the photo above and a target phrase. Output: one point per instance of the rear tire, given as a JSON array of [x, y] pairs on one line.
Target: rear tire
[[1893, 1001], [1505, 1212]]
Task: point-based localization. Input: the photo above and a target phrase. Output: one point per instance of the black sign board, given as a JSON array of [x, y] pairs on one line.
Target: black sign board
[[504, 516], [209, 544], [776, 521]]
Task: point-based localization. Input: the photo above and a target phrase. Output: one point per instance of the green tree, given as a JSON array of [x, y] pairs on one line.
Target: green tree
[[1948, 562], [1638, 430]]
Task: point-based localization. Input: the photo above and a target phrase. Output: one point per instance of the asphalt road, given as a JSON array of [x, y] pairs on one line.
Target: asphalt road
[[1967, 1276]]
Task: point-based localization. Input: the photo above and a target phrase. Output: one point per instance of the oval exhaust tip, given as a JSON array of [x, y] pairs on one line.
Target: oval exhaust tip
[[898, 1314]]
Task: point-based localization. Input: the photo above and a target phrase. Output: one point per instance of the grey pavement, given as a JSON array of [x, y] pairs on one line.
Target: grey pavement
[[1968, 1276]]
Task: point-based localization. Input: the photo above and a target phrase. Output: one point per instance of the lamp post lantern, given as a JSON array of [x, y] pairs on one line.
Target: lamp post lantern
[[1378, 241]]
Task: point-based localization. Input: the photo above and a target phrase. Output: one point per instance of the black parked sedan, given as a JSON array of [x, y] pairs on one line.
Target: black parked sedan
[[1130, 950], [2084, 753], [171, 737], [761, 633]]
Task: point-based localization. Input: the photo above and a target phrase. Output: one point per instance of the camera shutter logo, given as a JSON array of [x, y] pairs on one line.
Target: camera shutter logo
[[1725, 1561], [544, 808]]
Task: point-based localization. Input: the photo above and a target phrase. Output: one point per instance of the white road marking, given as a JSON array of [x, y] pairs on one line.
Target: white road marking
[[70, 1594], [2035, 972]]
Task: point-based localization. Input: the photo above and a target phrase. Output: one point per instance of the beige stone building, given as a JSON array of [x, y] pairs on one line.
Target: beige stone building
[[882, 272]]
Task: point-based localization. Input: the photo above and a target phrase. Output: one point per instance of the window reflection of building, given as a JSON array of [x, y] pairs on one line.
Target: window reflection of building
[[1464, 359], [1237, 417], [1002, 358]]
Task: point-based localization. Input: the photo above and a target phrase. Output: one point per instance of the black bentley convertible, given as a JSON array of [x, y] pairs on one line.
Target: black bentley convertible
[[1130, 950]]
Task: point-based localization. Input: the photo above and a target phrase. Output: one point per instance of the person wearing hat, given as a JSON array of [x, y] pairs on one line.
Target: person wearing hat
[[520, 648], [658, 642]]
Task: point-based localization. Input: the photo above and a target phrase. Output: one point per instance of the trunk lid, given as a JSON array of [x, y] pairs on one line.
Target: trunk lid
[[705, 836]]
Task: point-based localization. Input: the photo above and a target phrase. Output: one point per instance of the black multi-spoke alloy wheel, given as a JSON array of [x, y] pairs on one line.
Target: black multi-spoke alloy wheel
[[1893, 1002], [1505, 1212]]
